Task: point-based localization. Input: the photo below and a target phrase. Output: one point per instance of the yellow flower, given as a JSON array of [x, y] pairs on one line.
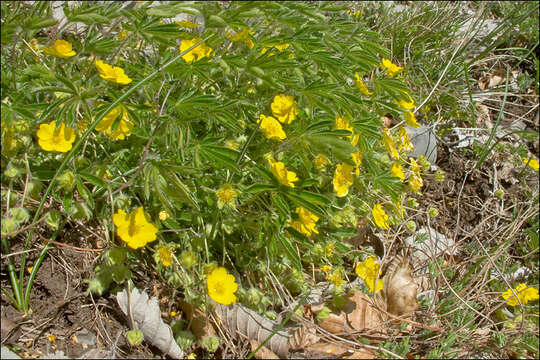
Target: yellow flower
[[357, 158], [415, 168], [284, 108], [361, 85], [51, 138], [187, 24], [368, 271], [112, 73], [326, 268], [525, 294], [200, 51], [221, 286], [415, 182], [61, 49], [410, 119], [226, 196], [329, 249], [407, 105], [281, 173], [165, 253], [164, 215], [306, 222], [380, 217], [397, 171], [124, 127], [405, 140], [343, 124], [271, 128], [390, 67], [343, 179], [280, 47], [133, 228], [320, 161], [532, 163], [399, 208], [390, 145], [51, 338], [336, 278], [242, 36]]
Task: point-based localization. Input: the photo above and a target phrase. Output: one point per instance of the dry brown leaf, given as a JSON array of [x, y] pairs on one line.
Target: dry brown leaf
[[302, 337], [358, 314], [263, 352], [200, 326], [239, 319], [400, 289], [339, 351], [484, 118]]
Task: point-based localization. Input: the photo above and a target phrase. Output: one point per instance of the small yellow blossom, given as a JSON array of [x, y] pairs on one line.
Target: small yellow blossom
[[357, 158], [164, 215], [306, 222], [326, 268], [124, 127], [362, 86], [399, 208], [343, 179], [390, 145], [226, 196], [532, 163], [321, 161], [281, 173], [380, 216], [61, 49], [112, 73], [242, 36], [280, 47], [525, 294], [52, 138], [410, 119], [336, 278], [165, 253], [173, 313], [329, 249], [187, 24], [356, 13], [133, 228], [271, 128], [221, 286], [232, 144], [415, 168], [284, 108], [397, 171], [192, 356], [390, 67], [407, 105], [415, 182], [51, 338], [368, 271], [405, 140], [343, 124], [200, 51]]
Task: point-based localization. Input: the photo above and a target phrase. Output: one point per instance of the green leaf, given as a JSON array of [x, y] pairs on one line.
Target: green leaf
[[40, 23], [281, 204], [135, 337], [299, 200], [215, 21], [313, 198], [181, 189], [94, 180], [90, 19], [289, 250], [257, 188], [221, 155]]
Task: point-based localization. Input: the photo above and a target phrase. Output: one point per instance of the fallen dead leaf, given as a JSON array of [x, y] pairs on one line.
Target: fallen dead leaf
[[263, 352], [357, 314], [400, 289]]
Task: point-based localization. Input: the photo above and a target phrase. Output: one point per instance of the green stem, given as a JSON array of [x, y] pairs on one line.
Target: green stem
[[79, 142], [17, 298], [244, 149], [35, 268]]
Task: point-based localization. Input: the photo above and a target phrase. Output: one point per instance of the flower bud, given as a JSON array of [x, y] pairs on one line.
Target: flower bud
[[66, 180], [20, 215], [499, 193], [9, 225], [411, 225], [439, 176], [411, 202], [433, 212]]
